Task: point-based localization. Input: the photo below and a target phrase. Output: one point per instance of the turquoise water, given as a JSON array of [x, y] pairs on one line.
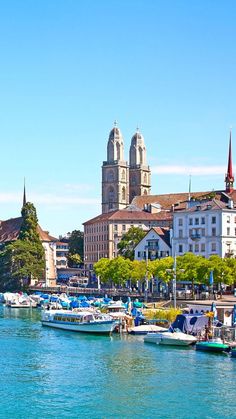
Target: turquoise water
[[48, 373]]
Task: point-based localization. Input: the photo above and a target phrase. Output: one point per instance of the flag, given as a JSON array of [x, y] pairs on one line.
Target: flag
[[211, 278]]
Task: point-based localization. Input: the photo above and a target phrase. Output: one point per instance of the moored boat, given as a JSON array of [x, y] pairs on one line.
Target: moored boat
[[79, 321], [146, 329], [175, 338], [212, 346]]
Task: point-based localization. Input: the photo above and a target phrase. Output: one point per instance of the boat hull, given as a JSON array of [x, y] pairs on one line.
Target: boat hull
[[172, 339], [212, 347], [106, 327]]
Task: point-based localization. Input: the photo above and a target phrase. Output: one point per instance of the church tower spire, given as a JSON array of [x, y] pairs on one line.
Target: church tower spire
[[229, 178], [139, 171], [115, 174], [24, 195]]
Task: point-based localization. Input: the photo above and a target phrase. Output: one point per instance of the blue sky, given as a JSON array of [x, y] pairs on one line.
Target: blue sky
[[69, 68]]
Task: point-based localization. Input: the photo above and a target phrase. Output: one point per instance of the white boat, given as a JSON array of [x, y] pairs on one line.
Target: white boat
[[116, 309], [79, 321], [144, 329], [16, 300], [176, 338]]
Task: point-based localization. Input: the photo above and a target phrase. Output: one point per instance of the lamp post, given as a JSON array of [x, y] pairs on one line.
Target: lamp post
[[99, 283], [146, 276], [173, 280]]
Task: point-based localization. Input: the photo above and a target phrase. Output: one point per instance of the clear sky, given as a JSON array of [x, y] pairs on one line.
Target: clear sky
[[69, 68]]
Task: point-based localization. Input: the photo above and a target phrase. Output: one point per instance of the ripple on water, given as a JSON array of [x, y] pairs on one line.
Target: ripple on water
[[53, 373]]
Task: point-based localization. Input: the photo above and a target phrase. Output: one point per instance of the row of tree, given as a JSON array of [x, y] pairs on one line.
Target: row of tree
[[189, 267]]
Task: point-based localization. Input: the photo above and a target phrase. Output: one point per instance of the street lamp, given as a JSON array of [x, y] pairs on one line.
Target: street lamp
[[174, 280], [146, 276]]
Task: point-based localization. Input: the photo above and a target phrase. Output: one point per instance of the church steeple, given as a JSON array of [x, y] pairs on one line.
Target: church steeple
[[139, 171], [24, 195], [115, 174], [229, 178]]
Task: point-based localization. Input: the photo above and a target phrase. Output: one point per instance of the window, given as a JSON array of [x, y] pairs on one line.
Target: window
[[180, 248], [203, 232], [228, 231], [196, 221], [203, 247], [115, 227], [190, 221], [197, 248], [202, 220], [235, 231], [180, 221], [123, 227], [139, 254], [228, 218], [213, 247], [213, 220], [190, 248], [180, 234], [213, 231]]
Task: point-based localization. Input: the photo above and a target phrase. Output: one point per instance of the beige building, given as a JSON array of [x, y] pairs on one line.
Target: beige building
[[103, 233]]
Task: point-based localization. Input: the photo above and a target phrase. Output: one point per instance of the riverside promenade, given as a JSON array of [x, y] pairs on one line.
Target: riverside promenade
[[224, 300]]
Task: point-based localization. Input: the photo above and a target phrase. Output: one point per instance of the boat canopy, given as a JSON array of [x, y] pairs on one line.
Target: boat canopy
[[188, 323]]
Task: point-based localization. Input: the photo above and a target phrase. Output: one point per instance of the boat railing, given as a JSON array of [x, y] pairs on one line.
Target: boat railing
[[225, 333]]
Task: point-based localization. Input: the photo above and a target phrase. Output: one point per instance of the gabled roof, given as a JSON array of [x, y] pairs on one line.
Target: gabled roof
[[10, 229], [162, 232]]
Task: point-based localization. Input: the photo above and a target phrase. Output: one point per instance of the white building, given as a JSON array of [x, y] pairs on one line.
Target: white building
[[205, 228], [155, 245]]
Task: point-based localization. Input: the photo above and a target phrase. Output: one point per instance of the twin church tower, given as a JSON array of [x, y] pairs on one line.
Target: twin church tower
[[121, 181]]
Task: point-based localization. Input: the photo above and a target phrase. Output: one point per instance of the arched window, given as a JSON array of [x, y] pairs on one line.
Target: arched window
[[145, 192], [111, 195], [110, 151], [117, 151], [123, 194], [140, 150], [145, 178], [123, 175]]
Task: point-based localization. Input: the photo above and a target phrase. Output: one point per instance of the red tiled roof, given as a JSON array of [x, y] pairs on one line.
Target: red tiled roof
[[127, 215], [10, 229]]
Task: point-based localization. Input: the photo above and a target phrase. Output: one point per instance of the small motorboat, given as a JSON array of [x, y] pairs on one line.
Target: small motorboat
[[175, 338], [146, 329], [212, 346]]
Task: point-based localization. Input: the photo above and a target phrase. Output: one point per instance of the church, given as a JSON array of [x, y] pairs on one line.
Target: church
[[127, 199]]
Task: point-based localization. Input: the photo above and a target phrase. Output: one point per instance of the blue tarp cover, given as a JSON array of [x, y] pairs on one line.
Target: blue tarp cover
[[190, 323]]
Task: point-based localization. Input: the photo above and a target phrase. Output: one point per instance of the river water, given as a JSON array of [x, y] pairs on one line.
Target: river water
[[49, 373]]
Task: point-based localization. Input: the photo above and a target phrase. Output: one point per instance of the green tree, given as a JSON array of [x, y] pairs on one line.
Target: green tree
[[129, 241], [102, 269], [25, 258], [76, 246], [74, 259], [120, 270]]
